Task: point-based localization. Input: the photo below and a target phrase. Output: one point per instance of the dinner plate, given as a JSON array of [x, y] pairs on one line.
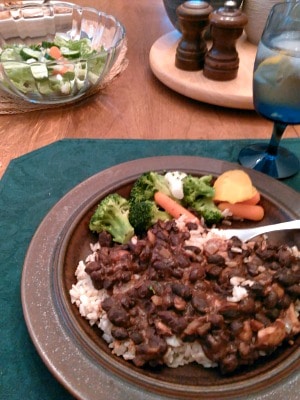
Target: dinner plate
[[74, 351]]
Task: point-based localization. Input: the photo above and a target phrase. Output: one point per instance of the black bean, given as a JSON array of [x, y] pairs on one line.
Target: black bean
[[285, 301], [294, 290], [181, 290], [213, 270], [196, 273], [118, 316], [257, 288], [144, 291], [107, 304], [287, 277], [216, 259], [136, 337], [230, 310], [252, 268], [285, 257], [229, 363], [266, 253], [182, 261], [236, 326], [128, 302], [173, 321], [200, 304], [271, 300], [194, 249], [177, 273], [247, 305], [92, 266], [105, 239], [216, 320], [273, 313], [119, 333]]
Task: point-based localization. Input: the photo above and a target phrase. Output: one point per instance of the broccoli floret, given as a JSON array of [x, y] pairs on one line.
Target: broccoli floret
[[195, 187], [144, 214], [207, 209], [112, 215], [198, 195], [146, 185]]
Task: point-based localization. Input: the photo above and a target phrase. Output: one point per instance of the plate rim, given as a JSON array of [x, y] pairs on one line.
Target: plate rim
[[61, 212]]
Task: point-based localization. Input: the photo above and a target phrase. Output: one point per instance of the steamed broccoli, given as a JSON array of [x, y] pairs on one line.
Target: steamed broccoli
[[207, 209], [198, 195], [146, 185], [144, 214], [195, 187], [112, 215]]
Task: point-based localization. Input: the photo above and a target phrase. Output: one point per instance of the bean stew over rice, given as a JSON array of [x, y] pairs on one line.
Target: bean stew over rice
[[180, 294]]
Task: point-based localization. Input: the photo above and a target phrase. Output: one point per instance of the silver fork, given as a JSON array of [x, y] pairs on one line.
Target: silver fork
[[247, 234]]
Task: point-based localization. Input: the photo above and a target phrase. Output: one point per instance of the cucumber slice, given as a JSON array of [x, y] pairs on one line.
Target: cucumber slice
[[93, 78], [47, 45], [39, 71], [27, 53], [69, 53]]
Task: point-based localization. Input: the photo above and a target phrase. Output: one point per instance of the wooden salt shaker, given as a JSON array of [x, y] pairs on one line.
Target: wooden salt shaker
[[222, 60], [193, 19]]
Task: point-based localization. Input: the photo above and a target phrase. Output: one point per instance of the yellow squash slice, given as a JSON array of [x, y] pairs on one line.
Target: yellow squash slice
[[234, 186]]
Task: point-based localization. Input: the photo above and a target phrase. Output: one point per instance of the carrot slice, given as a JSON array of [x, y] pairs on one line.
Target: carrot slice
[[172, 207], [252, 212], [61, 70], [55, 52]]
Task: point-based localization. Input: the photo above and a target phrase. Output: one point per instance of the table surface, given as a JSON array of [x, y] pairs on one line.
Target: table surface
[[135, 105]]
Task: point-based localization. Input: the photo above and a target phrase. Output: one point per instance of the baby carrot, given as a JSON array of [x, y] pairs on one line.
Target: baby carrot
[[252, 212], [172, 207], [254, 200]]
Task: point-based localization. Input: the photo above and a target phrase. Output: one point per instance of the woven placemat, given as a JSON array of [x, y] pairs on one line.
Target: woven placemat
[[13, 105]]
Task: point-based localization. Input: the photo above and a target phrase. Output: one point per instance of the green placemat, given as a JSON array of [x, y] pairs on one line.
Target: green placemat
[[31, 185]]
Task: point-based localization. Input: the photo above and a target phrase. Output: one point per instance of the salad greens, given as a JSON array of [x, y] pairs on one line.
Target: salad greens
[[61, 67]]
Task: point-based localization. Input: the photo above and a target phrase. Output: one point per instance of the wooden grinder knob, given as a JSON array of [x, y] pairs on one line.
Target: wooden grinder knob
[[222, 60], [193, 19]]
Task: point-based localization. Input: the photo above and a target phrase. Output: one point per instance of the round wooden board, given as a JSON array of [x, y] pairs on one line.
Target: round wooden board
[[236, 93]]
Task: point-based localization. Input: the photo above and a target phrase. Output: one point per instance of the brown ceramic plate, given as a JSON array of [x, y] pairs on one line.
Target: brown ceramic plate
[[75, 352]]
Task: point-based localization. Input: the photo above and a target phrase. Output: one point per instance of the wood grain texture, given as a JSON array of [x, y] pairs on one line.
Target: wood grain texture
[[136, 104]]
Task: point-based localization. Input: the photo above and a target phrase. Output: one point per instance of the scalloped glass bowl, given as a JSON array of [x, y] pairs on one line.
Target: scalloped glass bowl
[[32, 24]]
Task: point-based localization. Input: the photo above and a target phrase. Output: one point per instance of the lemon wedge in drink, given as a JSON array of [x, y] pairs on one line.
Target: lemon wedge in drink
[[274, 69], [272, 60]]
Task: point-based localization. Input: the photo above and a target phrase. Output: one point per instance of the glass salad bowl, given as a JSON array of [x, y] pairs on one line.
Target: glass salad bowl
[[56, 52]]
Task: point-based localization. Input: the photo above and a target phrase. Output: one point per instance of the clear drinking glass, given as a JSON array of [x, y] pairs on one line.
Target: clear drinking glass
[[276, 90]]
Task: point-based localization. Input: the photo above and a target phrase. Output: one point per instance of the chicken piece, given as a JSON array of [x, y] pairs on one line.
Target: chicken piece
[[272, 336]]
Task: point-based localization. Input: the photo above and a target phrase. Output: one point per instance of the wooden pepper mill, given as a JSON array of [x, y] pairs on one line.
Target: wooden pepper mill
[[193, 19], [222, 60]]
